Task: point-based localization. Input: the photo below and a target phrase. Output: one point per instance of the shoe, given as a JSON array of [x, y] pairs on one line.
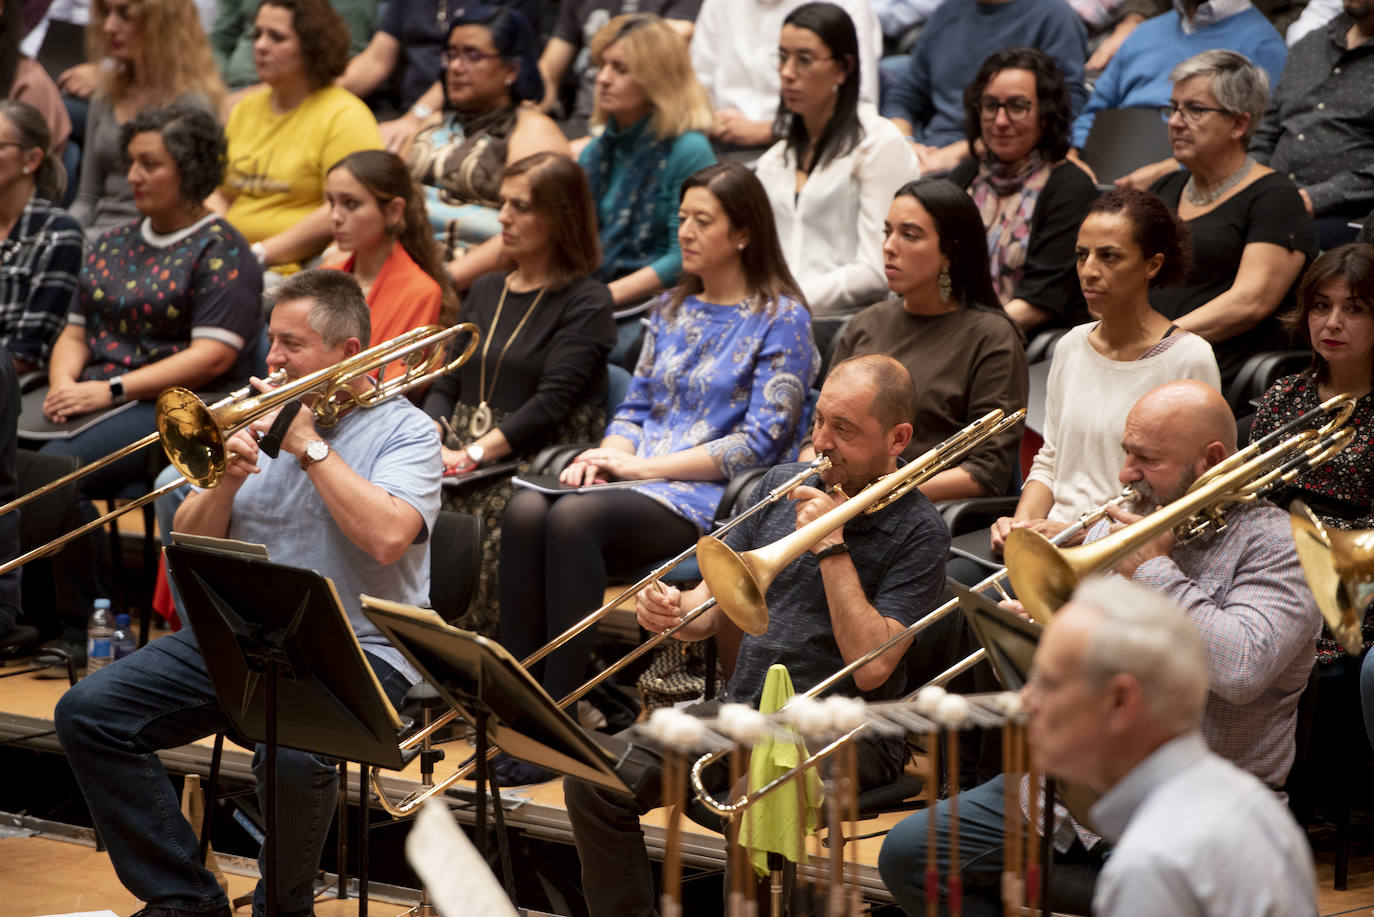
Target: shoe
[[163, 910], [510, 772], [17, 638]]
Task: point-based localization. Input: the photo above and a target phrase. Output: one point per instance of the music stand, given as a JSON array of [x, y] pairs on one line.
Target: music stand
[[489, 688], [288, 670], [1010, 641]]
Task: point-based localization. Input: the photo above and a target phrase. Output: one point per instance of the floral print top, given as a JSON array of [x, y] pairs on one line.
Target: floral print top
[[729, 378], [1341, 490]]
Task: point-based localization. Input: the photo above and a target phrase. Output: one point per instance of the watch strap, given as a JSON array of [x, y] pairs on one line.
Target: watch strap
[[841, 548]]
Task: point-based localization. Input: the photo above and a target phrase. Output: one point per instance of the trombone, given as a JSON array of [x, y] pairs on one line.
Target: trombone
[[871, 499], [194, 435], [1335, 562], [1044, 576], [992, 581]]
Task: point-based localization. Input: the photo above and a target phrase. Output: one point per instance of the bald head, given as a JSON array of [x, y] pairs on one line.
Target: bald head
[[1190, 411], [1172, 435]]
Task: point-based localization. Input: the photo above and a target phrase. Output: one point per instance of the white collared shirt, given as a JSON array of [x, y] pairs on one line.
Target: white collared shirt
[[1196, 835], [734, 41], [831, 231]]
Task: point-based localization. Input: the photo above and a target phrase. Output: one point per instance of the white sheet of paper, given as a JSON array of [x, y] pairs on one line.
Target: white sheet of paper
[[458, 880]]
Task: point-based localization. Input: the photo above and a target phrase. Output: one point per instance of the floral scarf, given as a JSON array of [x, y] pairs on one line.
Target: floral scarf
[[464, 156], [1009, 232]]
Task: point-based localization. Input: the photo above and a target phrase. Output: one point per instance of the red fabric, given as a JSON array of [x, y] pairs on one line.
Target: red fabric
[[162, 597]]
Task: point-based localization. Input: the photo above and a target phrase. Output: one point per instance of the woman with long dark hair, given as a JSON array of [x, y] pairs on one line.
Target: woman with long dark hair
[[830, 180], [377, 217], [720, 388], [1335, 317], [950, 332], [539, 374]]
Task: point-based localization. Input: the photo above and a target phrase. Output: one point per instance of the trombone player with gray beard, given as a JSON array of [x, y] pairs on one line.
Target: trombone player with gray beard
[[1243, 589]]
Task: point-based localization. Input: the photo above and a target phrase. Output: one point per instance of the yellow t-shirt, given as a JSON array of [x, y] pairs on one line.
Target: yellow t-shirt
[[277, 162]]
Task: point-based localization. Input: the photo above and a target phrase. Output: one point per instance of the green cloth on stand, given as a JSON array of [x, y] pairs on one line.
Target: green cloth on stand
[[772, 824]]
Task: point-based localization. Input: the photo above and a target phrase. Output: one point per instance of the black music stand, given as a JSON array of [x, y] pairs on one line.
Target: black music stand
[[489, 688], [1010, 642], [288, 669]]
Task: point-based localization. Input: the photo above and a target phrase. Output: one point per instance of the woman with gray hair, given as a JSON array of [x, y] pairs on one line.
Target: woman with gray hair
[[1251, 233]]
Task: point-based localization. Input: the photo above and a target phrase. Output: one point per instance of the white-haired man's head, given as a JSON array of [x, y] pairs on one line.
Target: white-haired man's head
[[1119, 671]]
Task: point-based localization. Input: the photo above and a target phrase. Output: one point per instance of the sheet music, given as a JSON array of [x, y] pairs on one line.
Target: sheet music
[[458, 879]]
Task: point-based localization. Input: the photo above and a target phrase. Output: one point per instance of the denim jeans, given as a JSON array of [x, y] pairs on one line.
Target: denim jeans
[[982, 839], [617, 877], [1367, 694], [110, 435], [111, 725]]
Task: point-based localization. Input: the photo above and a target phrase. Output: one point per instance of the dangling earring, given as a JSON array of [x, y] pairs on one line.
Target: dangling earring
[[26, 170], [945, 285]]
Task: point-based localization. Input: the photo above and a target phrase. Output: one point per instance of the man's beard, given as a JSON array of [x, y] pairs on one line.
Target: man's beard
[[1148, 498]]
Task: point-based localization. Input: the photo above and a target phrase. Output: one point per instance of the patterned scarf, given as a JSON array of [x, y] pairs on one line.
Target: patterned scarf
[[1009, 232], [464, 156], [630, 234]]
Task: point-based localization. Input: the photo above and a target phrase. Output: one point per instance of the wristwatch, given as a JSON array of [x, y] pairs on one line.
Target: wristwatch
[[421, 111], [317, 450], [831, 551], [117, 390], [475, 452]]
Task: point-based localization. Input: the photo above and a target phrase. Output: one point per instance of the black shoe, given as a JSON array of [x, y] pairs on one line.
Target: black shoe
[[510, 772], [163, 910], [17, 638]]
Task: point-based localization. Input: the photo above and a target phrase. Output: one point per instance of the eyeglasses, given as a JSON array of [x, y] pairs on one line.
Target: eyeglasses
[[802, 60], [470, 56], [1017, 108], [1191, 111]]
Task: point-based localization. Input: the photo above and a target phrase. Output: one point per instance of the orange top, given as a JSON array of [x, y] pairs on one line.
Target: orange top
[[403, 297]]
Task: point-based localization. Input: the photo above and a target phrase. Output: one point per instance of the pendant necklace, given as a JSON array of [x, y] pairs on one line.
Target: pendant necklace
[[481, 418]]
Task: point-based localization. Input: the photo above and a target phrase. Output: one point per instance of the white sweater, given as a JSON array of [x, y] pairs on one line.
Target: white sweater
[[1086, 403]]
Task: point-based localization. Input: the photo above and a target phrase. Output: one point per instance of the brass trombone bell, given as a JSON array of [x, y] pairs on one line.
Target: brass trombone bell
[[194, 434], [739, 582], [1335, 561]]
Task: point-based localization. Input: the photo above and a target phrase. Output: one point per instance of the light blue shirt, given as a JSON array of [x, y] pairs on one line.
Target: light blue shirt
[[1196, 835], [396, 447]]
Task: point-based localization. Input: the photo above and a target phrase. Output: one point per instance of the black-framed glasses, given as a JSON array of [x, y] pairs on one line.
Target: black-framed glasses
[[1191, 111], [471, 56], [1017, 107], [802, 60]]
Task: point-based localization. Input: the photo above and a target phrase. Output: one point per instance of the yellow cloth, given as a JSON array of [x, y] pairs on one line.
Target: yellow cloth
[[771, 825], [277, 162]]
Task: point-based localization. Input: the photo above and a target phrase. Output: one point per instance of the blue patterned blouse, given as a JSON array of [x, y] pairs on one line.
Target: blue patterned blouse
[[724, 377]]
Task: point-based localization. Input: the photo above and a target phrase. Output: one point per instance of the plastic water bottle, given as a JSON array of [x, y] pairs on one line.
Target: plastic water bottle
[[122, 642], [98, 634]]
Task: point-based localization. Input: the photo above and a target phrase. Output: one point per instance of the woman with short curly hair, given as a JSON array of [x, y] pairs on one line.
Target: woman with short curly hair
[[171, 300], [1031, 197], [160, 56], [284, 137]]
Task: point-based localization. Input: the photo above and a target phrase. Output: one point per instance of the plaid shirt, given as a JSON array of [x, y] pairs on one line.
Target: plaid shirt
[[1246, 593], [39, 265]]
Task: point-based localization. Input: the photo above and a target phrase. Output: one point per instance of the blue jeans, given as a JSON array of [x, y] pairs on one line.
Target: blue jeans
[[109, 435], [111, 725], [902, 860]]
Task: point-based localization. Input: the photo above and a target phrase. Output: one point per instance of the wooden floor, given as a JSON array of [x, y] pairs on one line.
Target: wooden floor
[[41, 876]]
